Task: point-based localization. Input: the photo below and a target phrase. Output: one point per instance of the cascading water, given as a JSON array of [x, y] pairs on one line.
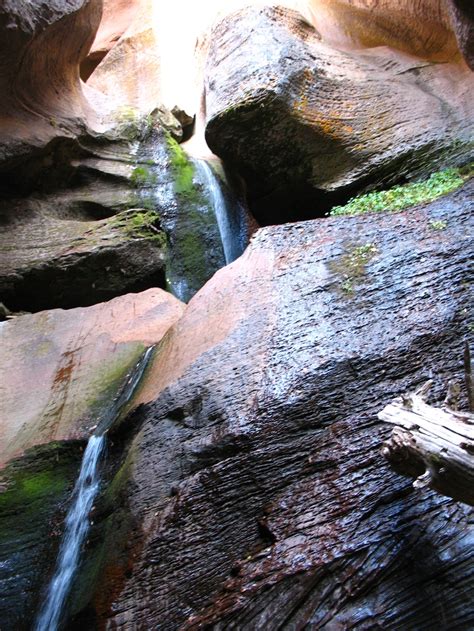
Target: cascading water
[[84, 494], [77, 525], [229, 233]]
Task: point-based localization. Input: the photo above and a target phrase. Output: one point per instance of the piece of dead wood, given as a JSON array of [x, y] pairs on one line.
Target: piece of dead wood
[[434, 445]]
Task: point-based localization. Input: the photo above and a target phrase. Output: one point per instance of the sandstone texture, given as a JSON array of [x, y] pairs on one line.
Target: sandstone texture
[[307, 125], [41, 47], [135, 58], [117, 16], [254, 494], [420, 27], [60, 374], [111, 215], [59, 367]]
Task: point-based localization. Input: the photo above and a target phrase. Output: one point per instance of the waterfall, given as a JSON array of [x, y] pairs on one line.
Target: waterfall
[[228, 232], [77, 525], [84, 494]]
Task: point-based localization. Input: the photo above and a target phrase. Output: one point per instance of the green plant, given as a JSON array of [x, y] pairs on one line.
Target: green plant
[[400, 197], [183, 168], [142, 176], [438, 224], [351, 266], [141, 223]]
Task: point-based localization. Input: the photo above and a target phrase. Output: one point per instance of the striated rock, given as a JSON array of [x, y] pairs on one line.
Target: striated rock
[[307, 125], [462, 17], [253, 494], [42, 46], [116, 214], [419, 27], [60, 371]]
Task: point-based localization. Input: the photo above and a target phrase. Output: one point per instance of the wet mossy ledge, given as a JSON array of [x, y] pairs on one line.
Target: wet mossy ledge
[[404, 196]]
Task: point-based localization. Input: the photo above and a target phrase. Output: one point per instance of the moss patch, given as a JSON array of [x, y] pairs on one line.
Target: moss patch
[[351, 267], [182, 167], [401, 197]]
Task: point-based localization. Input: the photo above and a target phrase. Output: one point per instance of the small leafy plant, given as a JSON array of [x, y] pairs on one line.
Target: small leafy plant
[[400, 197]]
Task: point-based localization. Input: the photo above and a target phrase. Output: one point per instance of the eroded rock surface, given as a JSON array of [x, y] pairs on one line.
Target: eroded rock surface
[[307, 125], [41, 48], [59, 375], [254, 493]]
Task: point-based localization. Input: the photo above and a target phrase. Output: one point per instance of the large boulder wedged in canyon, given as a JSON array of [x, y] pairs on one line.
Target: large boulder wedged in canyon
[[307, 125], [41, 48], [59, 374], [254, 494]]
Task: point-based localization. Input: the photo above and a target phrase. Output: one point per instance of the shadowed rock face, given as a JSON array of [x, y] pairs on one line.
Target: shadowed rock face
[[462, 16], [307, 125], [255, 493], [42, 45], [59, 376]]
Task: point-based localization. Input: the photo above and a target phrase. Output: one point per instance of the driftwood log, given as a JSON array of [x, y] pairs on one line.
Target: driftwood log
[[435, 445]]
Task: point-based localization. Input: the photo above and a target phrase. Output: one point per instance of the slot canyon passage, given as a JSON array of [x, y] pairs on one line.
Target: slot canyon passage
[[232, 234]]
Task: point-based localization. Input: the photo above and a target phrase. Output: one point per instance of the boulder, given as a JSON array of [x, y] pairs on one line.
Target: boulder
[[42, 46], [253, 493], [59, 375], [307, 125]]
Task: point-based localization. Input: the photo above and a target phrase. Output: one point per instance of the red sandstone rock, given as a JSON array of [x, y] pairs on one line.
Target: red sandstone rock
[[306, 124], [41, 48], [58, 367], [117, 16]]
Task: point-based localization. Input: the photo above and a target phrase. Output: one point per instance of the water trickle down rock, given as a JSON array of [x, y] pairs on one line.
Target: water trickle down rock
[[85, 492]]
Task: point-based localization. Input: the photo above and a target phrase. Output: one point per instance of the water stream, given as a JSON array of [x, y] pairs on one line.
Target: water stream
[[228, 232], [84, 494]]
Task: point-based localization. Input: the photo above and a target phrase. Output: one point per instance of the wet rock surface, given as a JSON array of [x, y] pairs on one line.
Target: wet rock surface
[[60, 374], [307, 125], [255, 493], [59, 368], [111, 215]]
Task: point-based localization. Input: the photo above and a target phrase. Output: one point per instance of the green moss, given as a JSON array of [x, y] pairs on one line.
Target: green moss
[[132, 124], [183, 168], [140, 223], [351, 267], [142, 176], [438, 224], [400, 197]]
